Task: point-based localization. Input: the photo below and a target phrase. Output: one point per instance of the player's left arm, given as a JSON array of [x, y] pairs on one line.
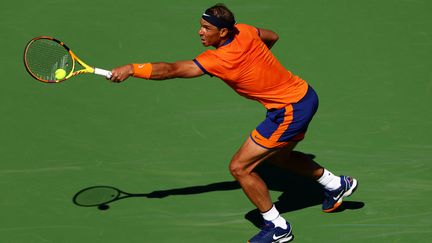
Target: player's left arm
[[160, 71], [269, 37]]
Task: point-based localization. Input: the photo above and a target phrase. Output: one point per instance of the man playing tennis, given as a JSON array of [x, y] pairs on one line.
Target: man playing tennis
[[242, 58]]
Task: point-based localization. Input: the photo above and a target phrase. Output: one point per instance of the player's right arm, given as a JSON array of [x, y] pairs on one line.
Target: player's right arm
[[160, 71]]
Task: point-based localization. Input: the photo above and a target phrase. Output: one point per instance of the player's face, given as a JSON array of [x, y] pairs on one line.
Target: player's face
[[209, 34]]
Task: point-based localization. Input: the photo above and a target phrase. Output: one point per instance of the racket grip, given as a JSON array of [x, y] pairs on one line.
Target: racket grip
[[102, 72]]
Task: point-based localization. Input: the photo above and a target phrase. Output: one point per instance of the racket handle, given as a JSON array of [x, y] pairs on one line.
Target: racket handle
[[102, 72]]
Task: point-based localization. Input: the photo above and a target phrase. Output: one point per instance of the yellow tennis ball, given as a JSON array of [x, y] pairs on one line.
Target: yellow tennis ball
[[60, 74]]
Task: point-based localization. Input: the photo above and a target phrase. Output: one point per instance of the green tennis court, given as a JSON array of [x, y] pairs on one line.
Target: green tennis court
[[369, 61]]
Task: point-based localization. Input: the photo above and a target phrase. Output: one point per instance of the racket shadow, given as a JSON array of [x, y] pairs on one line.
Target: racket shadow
[[101, 196], [218, 186]]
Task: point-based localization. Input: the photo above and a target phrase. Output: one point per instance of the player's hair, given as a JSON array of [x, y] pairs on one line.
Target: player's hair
[[221, 11]]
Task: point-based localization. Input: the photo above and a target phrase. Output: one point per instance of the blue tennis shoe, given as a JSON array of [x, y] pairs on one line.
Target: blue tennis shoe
[[333, 199], [271, 234]]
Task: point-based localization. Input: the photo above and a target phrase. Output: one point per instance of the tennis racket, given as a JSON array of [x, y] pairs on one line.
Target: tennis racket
[[44, 55]]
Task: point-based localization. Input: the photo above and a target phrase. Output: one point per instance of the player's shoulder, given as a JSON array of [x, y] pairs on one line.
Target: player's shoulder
[[242, 26], [247, 29]]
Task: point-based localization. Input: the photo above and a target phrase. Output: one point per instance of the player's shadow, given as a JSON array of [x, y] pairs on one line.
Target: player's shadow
[[297, 192]]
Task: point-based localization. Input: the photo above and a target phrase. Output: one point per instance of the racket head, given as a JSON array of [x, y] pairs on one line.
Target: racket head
[[43, 55], [96, 196]]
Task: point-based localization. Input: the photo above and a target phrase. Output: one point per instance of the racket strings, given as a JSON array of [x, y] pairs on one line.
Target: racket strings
[[45, 56]]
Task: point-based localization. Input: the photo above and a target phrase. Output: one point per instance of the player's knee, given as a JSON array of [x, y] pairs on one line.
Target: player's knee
[[236, 169]]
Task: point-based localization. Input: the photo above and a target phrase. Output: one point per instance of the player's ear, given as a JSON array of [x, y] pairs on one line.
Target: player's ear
[[223, 32]]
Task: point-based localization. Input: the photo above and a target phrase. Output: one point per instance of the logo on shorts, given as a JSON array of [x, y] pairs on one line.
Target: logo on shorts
[[256, 137]]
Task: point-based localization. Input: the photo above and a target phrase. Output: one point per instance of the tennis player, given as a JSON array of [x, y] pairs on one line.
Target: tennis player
[[242, 59]]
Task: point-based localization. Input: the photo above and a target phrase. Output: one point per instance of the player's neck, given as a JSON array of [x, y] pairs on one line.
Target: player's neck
[[225, 41]]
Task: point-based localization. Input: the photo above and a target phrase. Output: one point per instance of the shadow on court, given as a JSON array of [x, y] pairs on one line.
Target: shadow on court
[[297, 193]]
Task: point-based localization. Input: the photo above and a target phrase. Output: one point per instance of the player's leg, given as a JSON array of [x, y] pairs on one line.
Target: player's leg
[[335, 187], [242, 166], [297, 162]]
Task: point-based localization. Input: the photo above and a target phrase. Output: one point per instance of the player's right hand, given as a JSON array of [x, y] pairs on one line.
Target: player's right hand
[[120, 74]]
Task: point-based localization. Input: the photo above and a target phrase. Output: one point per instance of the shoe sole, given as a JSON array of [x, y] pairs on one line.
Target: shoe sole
[[346, 194], [285, 239]]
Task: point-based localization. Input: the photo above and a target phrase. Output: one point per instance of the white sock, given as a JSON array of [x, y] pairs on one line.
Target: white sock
[[329, 181], [274, 216]]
